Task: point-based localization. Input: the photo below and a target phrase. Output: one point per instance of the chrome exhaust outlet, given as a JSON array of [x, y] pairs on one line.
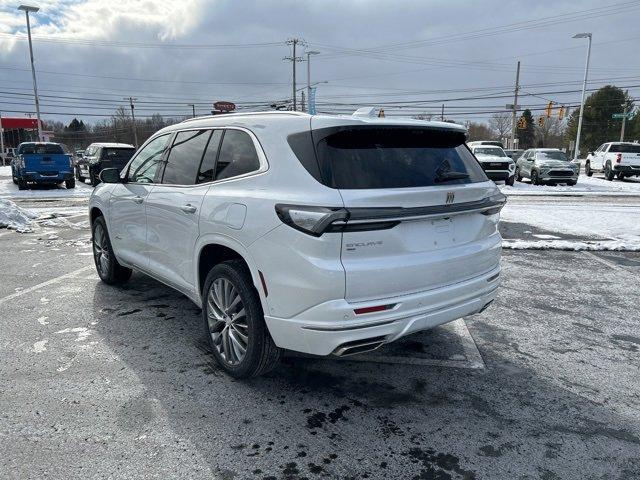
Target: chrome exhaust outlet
[[359, 346]]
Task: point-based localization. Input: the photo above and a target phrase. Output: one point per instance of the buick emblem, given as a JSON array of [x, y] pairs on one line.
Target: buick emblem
[[450, 198]]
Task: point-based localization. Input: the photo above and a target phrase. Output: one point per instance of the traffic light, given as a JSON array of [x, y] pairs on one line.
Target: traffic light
[[549, 109], [561, 113], [541, 121], [522, 123]]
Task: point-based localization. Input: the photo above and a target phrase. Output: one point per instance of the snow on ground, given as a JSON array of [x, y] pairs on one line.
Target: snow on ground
[[586, 186], [600, 226], [9, 190]]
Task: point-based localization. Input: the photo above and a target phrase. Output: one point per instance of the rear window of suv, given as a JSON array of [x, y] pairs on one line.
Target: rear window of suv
[[629, 148], [393, 157], [117, 153], [41, 149]]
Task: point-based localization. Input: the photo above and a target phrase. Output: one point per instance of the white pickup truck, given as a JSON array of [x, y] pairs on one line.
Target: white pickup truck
[[621, 159]]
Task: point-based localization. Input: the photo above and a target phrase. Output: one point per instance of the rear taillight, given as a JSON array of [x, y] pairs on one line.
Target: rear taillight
[[498, 201], [618, 157], [311, 220]]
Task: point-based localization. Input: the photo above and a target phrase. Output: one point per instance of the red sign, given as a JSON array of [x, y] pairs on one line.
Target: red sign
[[224, 106], [11, 123]]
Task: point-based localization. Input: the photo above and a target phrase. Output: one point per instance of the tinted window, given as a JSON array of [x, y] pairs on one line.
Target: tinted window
[[41, 149], [184, 158], [551, 155], [144, 165], [205, 174], [396, 158], [628, 148], [117, 154], [237, 155]]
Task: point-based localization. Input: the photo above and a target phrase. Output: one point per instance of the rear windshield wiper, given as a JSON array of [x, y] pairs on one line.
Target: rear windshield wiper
[[450, 175]]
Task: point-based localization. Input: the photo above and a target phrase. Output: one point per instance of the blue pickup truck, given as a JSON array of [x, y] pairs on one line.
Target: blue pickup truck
[[41, 163]]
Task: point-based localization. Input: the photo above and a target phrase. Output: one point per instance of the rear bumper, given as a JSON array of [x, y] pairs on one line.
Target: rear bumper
[[628, 169], [40, 177], [323, 329]]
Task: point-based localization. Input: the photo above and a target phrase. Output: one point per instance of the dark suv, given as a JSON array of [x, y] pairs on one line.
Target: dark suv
[[98, 156]]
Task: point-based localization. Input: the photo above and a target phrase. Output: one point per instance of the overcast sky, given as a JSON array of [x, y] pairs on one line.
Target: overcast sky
[[411, 54]]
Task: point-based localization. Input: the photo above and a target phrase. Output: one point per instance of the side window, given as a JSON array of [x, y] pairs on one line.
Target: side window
[[605, 147], [98, 153], [237, 155], [184, 157], [144, 165], [205, 174]]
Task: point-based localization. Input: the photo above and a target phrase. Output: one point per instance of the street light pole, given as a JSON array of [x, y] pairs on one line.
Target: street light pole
[[133, 120], [624, 115], [309, 53], [27, 9], [193, 108], [584, 88]]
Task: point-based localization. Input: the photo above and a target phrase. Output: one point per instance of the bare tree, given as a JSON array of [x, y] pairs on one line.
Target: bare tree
[[551, 133], [479, 131], [500, 123]]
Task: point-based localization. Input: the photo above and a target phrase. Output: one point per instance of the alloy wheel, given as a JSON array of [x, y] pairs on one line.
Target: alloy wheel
[[227, 321], [101, 250]]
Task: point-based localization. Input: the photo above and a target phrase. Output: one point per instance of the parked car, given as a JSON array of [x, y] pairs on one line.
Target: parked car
[[102, 155], [514, 154], [308, 233], [546, 165], [621, 159], [41, 163], [77, 155], [495, 143], [495, 163]]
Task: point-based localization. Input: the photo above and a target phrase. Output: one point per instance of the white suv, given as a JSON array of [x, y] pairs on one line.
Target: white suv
[[319, 234]]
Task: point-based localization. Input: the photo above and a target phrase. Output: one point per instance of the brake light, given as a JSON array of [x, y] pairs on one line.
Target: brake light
[[377, 308], [618, 157], [311, 220]]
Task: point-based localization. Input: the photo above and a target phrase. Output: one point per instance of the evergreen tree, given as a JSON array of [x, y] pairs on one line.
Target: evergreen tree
[[526, 136]]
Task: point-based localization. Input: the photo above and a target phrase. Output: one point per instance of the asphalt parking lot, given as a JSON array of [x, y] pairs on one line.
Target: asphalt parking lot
[[104, 382]]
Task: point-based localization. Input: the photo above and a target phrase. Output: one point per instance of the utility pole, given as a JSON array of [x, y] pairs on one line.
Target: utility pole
[[624, 113], [302, 101], [133, 120], [584, 88], [193, 108], [293, 59], [27, 9], [442, 113], [515, 107]]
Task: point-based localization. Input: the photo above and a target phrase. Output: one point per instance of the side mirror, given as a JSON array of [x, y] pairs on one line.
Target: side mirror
[[110, 175], [590, 153]]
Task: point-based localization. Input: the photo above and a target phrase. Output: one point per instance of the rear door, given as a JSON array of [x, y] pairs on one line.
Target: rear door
[[173, 207], [403, 187]]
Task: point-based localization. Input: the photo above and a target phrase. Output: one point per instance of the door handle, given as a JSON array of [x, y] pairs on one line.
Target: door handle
[[188, 208], [138, 199]]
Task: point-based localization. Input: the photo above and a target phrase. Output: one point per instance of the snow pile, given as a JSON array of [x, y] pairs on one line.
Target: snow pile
[[586, 186], [572, 245], [14, 217]]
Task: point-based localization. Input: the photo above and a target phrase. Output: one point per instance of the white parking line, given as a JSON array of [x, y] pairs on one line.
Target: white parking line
[[44, 284], [472, 360]]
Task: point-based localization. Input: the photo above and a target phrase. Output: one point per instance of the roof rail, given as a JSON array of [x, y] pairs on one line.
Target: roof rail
[[248, 114]]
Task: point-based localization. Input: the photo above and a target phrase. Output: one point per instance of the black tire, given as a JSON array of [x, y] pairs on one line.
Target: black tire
[[108, 268], [14, 180], [535, 179], [587, 169], [69, 184], [571, 183], [608, 172], [620, 176], [22, 184], [261, 354], [510, 181], [518, 176], [79, 177], [94, 179]]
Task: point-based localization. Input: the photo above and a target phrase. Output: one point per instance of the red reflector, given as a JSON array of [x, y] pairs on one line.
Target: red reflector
[[618, 158], [377, 308]]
